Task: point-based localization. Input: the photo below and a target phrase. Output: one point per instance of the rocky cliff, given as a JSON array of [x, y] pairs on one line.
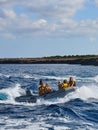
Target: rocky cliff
[[82, 60]]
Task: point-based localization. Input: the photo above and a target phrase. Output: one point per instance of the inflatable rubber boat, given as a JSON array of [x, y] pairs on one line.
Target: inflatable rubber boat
[[30, 98]]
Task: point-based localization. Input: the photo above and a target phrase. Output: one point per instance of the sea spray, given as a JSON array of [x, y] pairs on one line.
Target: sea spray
[[13, 92], [83, 93]]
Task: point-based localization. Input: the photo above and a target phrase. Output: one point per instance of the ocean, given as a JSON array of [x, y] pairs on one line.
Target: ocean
[[78, 110]]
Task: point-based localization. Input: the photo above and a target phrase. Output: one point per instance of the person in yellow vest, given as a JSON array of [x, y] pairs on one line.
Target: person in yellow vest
[[47, 88], [71, 82], [64, 84], [41, 89]]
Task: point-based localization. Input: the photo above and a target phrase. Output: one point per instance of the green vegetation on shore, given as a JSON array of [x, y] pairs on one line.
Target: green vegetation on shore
[[71, 59], [73, 56]]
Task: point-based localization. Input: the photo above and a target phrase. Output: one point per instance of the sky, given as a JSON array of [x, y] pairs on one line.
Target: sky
[[38, 28]]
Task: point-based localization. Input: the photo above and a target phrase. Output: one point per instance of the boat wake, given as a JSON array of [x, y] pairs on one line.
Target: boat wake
[[8, 95]]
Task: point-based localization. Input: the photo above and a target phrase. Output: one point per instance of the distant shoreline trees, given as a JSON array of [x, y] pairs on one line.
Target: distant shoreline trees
[[72, 56], [70, 59]]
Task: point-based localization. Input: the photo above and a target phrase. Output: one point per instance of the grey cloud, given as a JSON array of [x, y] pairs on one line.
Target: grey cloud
[[42, 17], [51, 8], [55, 8]]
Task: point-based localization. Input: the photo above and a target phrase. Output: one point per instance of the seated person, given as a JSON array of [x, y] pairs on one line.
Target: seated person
[[41, 89], [59, 85], [47, 88], [64, 84], [28, 92], [71, 82]]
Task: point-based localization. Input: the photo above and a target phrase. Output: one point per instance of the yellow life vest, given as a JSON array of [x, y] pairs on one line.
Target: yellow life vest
[[65, 85], [41, 90]]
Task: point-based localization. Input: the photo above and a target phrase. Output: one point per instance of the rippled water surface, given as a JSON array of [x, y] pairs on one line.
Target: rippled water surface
[[78, 110]]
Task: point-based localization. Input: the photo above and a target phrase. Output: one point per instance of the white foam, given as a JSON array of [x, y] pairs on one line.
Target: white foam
[[12, 92], [27, 76], [40, 123], [83, 92], [4, 75], [86, 92], [96, 78]]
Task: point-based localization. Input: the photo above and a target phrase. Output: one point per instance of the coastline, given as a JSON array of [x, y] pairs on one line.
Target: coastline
[[82, 60]]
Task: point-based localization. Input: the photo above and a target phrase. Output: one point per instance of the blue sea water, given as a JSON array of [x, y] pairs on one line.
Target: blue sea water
[[78, 110]]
